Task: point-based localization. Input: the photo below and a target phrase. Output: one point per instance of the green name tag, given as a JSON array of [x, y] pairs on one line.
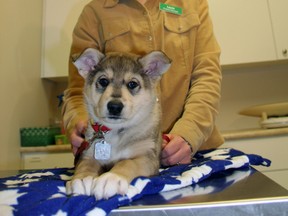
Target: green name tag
[[170, 8]]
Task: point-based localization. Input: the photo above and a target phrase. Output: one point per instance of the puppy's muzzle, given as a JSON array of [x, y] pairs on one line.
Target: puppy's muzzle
[[115, 108]]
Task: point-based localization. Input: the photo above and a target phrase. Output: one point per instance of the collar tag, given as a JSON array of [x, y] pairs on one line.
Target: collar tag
[[170, 9], [102, 150]]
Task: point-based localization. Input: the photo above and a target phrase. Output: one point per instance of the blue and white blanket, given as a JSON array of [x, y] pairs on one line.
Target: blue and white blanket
[[42, 192]]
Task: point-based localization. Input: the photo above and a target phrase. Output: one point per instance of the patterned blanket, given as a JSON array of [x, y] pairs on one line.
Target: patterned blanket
[[42, 192]]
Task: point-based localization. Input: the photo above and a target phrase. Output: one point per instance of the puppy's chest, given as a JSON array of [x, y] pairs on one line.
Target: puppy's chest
[[113, 148], [107, 149]]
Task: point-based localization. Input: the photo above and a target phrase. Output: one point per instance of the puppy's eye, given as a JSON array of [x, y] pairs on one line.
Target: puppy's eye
[[103, 82], [132, 85]]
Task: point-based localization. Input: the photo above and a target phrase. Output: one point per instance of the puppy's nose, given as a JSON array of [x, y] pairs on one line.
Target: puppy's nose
[[115, 107]]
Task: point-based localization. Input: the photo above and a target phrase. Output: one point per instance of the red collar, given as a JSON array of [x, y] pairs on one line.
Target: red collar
[[100, 131], [100, 128]]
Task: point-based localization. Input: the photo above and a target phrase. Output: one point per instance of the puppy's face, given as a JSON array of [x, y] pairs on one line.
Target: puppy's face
[[118, 91], [120, 88]]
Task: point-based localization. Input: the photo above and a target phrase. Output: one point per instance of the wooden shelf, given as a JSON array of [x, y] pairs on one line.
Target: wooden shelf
[[254, 133]]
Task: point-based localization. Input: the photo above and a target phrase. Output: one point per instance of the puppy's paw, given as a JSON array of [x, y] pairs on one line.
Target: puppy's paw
[[110, 184], [82, 186]]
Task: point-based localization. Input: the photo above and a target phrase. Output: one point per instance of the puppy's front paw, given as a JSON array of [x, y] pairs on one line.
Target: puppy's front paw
[[82, 186], [110, 184]]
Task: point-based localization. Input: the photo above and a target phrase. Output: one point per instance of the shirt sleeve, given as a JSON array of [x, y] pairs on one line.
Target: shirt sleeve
[[85, 35]]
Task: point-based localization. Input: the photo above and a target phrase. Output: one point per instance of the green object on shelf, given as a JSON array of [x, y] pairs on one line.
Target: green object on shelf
[[61, 139], [38, 136]]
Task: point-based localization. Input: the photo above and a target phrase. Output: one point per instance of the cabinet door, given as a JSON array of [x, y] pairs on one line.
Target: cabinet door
[[243, 30], [45, 160], [59, 19], [274, 148], [280, 177], [279, 17]]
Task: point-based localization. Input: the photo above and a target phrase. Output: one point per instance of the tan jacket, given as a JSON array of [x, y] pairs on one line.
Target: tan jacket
[[190, 90]]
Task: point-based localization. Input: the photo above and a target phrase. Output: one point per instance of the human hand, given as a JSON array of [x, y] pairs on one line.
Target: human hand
[[77, 135], [176, 151]]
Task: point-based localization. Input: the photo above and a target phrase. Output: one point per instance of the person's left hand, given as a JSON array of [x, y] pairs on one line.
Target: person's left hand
[[176, 151]]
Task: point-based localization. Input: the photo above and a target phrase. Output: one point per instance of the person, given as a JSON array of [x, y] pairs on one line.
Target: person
[[190, 90]]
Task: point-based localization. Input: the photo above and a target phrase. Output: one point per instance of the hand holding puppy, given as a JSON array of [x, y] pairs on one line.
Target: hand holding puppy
[[175, 150], [76, 136]]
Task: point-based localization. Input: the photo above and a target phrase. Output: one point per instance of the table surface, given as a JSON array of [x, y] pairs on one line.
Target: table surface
[[240, 187], [229, 188], [246, 184]]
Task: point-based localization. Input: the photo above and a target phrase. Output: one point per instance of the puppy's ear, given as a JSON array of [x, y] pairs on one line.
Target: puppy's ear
[[86, 61], [155, 63]]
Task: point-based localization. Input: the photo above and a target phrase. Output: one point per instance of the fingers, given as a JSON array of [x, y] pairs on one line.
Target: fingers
[[81, 127], [166, 139], [177, 151], [77, 135], [76, 140]]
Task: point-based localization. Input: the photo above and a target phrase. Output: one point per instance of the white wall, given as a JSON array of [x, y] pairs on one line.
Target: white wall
[[24, 100]]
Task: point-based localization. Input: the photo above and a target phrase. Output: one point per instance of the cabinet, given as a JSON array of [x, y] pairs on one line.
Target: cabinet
[[279, 18], [59, 19], [243, 30], [45, 160], [274, 148]]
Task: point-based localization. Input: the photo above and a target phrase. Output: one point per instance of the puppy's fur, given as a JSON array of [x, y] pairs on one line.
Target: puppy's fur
[[120, 93]]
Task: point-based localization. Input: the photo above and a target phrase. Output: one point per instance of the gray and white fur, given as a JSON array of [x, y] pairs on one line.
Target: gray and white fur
[[121, 93]]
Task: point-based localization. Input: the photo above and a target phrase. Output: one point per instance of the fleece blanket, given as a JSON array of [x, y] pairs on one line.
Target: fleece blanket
[[42, 192]]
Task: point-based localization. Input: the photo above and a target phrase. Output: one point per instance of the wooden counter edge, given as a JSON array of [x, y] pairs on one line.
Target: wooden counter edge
[[50, 148]]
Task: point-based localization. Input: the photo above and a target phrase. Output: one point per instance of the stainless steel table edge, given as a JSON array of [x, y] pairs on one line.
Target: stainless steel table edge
[[283, 199]]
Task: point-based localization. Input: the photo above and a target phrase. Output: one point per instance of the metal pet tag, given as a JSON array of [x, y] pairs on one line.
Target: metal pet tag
[[102, 150]]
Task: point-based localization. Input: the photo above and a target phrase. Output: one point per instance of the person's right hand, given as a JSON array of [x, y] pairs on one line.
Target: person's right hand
[[77, 135]]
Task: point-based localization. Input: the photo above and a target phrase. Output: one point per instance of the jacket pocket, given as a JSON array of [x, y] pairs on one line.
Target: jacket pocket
[[114, 30], [181, 24], [181, 33]]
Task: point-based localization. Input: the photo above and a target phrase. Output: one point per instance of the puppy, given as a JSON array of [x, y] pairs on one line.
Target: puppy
[[124, 138]]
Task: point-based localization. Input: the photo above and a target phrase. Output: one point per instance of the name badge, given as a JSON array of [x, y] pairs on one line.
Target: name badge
[[102, 150], [170, 9]]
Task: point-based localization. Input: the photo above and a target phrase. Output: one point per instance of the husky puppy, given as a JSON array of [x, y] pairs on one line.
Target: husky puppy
[[124, 138]]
